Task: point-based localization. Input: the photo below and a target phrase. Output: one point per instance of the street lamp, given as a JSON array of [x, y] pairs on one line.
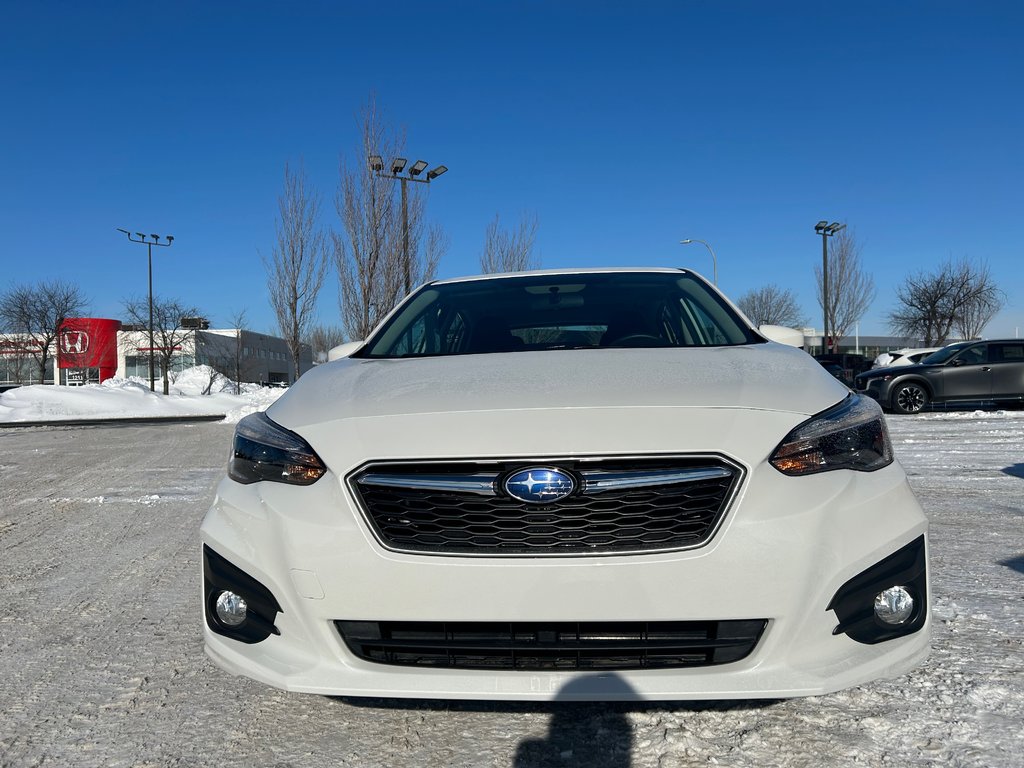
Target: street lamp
[[376, 163], [714, 261], [149, 243], [826, 231]]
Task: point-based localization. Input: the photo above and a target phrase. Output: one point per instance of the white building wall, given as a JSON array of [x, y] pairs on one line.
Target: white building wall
[[263, 359]]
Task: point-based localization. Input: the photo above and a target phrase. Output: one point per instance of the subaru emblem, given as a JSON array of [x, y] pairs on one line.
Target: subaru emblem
[[539, 485]]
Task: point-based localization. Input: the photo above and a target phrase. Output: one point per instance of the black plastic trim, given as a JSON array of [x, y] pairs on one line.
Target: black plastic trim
[[219, 575], [854, 602], [552, 645]]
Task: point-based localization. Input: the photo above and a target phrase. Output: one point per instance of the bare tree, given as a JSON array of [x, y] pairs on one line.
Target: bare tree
[[850, 289], [170, 333], [961, 296], [510, 250], [16, 362], [238, 320], [35, 313], [983, 300], [22, 344], [771, 305], [323, 338], [435, 245], [225, 353], [368, 250], [213, 376], [298, 263]]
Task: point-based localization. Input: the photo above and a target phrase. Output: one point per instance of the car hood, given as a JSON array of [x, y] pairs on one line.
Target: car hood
[[770, 377], [896, 370]]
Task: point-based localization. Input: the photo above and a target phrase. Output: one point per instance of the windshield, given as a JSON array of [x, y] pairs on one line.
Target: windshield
[[943, 355], [571, 311]]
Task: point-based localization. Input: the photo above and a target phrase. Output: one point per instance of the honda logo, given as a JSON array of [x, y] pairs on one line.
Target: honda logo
[[73, 342]]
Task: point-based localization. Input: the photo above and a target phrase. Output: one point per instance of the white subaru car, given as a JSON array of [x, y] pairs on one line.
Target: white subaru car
[[589, 484]]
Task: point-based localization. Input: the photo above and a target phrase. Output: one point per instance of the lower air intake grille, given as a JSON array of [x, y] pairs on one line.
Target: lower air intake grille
[[552, 645]]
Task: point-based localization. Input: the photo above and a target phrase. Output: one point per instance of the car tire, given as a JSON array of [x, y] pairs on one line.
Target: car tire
[[909, 398]]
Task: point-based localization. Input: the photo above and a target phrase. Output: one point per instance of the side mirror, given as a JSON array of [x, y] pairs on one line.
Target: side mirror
[[343, 350], [783, 335]]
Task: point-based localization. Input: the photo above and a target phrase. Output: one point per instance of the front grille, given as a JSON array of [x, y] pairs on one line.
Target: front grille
[[552, 645], [619, 506]]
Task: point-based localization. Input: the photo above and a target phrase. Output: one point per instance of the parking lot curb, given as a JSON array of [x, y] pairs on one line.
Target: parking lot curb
[[115, 420]]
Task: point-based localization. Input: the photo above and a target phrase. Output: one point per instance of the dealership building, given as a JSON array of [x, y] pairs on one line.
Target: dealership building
[[91, 350]]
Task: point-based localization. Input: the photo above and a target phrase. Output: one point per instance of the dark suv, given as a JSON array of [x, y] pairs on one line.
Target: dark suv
[[971, 371]]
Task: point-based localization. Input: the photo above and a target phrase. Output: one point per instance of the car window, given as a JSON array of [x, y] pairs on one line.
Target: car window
[[973, 355], [1007, 353], [436, 327], [943, 355], [570, 311]]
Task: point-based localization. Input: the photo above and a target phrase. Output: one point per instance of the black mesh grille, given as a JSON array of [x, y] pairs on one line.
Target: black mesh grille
[[552, 645], [665, 517]]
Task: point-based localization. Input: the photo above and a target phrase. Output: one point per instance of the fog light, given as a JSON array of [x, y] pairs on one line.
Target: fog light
[[231, 608], [894, 605]]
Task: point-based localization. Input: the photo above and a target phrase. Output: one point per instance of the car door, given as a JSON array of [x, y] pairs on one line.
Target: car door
[[968, 376], [1007, 363]]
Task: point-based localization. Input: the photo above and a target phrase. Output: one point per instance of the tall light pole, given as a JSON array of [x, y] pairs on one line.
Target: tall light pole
[[149, 243], [714, 261], [397, 167], [826, 231]]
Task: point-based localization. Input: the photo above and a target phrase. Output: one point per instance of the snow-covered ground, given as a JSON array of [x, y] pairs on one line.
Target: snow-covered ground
[[198, 391], [101, 658]]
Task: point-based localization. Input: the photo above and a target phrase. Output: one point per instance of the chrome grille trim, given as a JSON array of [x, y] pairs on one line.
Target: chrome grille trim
[[481, 483], [596, 481]]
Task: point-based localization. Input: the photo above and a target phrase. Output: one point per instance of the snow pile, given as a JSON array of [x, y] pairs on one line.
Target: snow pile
[[131, 398], [203, 380]]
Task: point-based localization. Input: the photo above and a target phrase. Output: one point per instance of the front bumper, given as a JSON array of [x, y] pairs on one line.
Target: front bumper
[[877, 389], [786, 548]]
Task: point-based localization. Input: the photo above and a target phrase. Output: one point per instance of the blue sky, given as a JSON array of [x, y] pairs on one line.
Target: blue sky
[[625, 127]]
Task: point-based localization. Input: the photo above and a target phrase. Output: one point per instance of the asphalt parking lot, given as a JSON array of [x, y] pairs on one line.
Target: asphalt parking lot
[[102, 661]]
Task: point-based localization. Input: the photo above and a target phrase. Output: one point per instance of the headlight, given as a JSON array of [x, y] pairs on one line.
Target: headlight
[[264, 450], [851, 435]]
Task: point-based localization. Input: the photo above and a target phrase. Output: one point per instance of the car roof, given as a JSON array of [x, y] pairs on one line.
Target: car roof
[[565, 273], [972, 342]]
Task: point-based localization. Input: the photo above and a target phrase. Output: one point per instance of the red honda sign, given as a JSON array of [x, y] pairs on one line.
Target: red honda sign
[[74, 341], [89, 342]]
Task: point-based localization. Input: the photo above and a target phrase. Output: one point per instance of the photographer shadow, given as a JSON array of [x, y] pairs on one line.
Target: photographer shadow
[[582, 732]]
